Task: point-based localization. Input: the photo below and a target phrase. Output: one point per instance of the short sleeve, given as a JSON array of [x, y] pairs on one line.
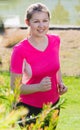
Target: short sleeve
[[16, 61], [54, 39], [57, 40]]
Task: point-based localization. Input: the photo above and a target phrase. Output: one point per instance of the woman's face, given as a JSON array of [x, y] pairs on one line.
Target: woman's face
[[39, 24]]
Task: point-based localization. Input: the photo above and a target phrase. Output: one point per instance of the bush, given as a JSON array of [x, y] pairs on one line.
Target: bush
[[10, 115], [1, 26]]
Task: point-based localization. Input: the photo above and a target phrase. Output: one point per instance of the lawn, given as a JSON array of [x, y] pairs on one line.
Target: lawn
[[70, 115]]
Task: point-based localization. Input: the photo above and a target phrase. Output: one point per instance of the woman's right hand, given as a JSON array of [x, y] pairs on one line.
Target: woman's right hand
[[45, 84]]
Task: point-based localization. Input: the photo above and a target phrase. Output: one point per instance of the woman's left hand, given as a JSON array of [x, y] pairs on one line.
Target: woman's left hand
[[62, 88]]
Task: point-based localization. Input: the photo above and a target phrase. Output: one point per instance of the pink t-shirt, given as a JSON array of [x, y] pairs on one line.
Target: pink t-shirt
[[35, 65]]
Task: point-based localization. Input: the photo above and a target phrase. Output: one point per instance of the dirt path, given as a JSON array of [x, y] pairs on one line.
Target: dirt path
[[69, 54]]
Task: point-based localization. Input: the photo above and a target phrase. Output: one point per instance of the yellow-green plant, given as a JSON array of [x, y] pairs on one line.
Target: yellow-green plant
[[48, 118], [10, 114]]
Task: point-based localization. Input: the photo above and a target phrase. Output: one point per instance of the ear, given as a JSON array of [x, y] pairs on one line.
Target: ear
[[27, 22]]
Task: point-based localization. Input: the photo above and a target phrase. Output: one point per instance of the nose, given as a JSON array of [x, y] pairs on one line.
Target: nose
[[41, 24]]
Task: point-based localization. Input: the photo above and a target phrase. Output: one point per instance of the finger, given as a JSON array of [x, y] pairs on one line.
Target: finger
[[64, 91], [48, 82], [48, 78]]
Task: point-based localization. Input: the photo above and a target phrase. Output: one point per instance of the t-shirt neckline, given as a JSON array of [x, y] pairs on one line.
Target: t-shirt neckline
[[36, 49]]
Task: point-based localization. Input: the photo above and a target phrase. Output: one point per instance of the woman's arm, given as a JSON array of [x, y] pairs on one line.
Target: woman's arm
[[44, 85], [59, 77], [62, 88]]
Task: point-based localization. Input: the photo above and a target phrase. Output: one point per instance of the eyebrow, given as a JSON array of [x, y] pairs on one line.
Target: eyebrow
[[38, 19]]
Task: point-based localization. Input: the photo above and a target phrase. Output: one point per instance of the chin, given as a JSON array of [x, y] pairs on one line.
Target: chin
[[41, 34]]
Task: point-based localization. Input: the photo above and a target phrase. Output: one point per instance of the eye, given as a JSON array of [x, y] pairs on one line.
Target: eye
[[45, 20], [36, 21]]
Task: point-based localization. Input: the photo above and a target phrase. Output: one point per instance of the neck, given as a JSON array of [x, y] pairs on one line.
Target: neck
[[37, 40]]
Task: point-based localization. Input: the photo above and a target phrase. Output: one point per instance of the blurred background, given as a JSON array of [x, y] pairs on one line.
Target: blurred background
[[63, 12], [65, 21]]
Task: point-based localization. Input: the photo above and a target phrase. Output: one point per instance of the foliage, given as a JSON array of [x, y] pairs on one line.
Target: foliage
[[10, 115], [0, 60], [1, 25], [68, 116], [60, 14]]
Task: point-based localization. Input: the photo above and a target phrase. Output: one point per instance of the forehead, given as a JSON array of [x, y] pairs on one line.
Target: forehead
[[40, 15]]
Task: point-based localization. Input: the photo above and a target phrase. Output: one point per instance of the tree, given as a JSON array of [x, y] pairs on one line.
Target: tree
[[77, 8], [1, 26], [60, 15]]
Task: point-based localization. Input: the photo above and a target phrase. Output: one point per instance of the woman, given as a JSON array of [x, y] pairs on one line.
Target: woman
[[36, 61]]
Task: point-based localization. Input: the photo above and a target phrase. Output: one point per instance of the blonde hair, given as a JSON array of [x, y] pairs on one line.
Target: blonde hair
[[38, 7]]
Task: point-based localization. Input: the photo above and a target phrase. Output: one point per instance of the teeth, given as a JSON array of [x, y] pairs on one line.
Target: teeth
[[40, 30]]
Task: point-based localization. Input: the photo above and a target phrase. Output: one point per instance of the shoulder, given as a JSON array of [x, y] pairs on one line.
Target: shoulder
[[19, 47], [54, 37]]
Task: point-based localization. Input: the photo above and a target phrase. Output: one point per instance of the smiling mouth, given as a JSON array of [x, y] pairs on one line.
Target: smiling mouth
[[40, 31]]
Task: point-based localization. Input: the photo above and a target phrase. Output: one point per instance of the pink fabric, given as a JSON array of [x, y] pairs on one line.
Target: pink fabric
[[41, 64]]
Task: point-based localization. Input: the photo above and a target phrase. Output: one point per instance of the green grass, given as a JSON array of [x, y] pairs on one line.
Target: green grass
[[70, 115]]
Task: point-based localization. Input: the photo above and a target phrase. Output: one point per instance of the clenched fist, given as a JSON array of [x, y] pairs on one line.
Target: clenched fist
[[45, 84]]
